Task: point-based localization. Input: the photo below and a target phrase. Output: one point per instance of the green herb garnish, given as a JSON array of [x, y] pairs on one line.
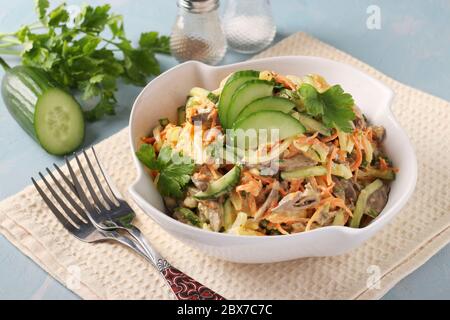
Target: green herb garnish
[[334, 106], [88, 52], [174, 170]]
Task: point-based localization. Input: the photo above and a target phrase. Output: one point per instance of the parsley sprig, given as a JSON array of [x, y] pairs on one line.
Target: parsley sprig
[[87, 52], [174, 170], [334, 106]]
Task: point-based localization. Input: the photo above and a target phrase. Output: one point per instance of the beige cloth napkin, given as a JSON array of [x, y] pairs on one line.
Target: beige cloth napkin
[[110, 271]]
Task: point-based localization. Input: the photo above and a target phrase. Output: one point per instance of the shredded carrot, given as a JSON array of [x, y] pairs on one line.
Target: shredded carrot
[[309, 140], [359, 157], [330, 138], [313, 182], [148, 140], [295, 185], [291, 152], [337, 202], [252, 187], [213, 171], [330, 164], [321, 181], [369, 134], [327, 190], [284, 81], [383, 164], [283, 192], [213, 116], [342, 155], [280, 229], [249, 185], [263, 179], [314, 217], [251, 204]]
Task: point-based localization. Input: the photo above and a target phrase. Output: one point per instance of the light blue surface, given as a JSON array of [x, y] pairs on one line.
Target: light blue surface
[[413, 46]]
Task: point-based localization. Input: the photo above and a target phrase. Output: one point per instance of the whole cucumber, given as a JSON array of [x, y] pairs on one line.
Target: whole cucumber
[[49, 114]]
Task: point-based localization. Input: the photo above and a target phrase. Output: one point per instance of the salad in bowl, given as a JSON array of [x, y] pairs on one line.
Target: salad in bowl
[[269, 154]]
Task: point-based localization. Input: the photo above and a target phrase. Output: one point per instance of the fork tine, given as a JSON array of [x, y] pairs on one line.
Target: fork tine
[[97, 201], [68, 196], [87, 205], [111, 186], [66, 180], [97, 181], [63, 205], [66, 224]]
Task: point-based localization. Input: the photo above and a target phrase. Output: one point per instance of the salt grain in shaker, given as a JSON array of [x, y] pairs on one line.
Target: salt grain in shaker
[[197, 33]]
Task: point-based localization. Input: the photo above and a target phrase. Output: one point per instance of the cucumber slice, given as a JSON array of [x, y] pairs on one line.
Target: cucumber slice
[[267, 104], [181, 115], [220, 186], [339, 218], [304, 173], [339, 170], [362, 202], [247, 93], [58, 122], [229, 214], [233, 83], [268, 120], [313, 125]]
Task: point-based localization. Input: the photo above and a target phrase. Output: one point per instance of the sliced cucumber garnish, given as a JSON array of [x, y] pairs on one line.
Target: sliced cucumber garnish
[[247, 93], [233, 83], [267, 104], [58, 122], [286, 125], [220, 186]]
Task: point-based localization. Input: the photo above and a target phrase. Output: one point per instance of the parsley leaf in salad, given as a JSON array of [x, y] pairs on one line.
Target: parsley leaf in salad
[[334, 106], [174, 170], [87, 52]]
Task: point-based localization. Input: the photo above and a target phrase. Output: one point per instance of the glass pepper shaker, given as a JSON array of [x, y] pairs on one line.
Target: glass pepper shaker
[[249, 25], [197, 33]]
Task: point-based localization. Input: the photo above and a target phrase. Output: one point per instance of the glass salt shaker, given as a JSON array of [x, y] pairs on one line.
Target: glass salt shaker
[[197, 33], [248, 24]]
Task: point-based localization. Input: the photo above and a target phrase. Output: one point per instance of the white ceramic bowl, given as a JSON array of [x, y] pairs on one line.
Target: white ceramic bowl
[[163, 95]]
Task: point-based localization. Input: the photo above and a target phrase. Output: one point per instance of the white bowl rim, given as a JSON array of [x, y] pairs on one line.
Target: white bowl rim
[[343, 229]]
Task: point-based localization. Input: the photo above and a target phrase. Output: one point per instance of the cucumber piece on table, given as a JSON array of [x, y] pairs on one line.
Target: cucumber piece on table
[[220, 186], [233, 83], [267, 104], [50, 115], [244, 95]]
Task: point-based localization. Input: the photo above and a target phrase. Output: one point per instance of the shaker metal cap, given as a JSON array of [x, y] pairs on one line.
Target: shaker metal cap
[[199, 6]]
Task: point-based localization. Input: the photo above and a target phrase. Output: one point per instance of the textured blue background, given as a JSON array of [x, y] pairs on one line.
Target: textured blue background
[[413, 46]]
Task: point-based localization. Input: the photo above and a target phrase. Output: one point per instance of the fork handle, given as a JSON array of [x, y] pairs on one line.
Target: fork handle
[[183, 286]]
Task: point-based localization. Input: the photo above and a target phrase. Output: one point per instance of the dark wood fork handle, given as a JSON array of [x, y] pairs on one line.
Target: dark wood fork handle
[[183, 286]]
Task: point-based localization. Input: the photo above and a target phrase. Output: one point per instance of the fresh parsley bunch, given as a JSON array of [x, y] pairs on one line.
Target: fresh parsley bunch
[[88, 52]]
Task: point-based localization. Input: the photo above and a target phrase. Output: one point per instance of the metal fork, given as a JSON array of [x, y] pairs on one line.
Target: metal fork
[[80, 226], [101, 223]]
